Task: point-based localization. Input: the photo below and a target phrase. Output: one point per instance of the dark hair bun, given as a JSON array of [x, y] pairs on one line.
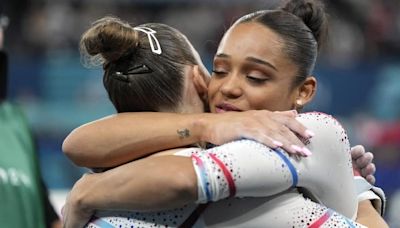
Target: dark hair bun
[[312, 13], [110, 37]]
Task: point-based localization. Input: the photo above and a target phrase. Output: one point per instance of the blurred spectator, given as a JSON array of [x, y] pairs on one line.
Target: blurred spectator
[[23, 196]]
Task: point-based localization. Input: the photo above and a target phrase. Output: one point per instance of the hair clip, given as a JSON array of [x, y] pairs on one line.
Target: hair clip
[[150, 34], [121, 77], [139, 69]]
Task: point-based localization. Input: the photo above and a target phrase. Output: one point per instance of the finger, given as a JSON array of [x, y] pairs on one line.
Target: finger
[[357, 151], [373, 168], [297, 127], [291, 144], [290, 113], [364, 160], [371, 179], [267, 141], [356, 172], [290, 149], [262, 138], [369, 170]]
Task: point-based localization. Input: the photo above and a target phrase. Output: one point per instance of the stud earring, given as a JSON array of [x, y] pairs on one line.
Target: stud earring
[[299, 104]]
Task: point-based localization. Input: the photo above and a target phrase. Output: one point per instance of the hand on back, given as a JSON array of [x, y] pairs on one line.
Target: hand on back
[[274, 129], [362, 163]]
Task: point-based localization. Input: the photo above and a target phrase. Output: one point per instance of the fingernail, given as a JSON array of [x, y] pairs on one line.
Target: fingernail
[[297, 149], [310, 133], [277, 143], [306, 151]]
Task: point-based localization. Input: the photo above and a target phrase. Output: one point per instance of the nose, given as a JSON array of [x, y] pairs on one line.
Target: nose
[[231, 87]]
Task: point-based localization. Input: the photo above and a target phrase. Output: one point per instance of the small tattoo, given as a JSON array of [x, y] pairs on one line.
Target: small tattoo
[[184, 133]]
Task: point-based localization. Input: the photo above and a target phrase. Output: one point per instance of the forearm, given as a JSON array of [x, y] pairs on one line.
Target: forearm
[[117, 139], [368, 216], [124, 137], [236, 168], [147, 184]]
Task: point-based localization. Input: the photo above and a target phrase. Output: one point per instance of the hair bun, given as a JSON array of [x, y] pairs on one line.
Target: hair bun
[[110, 37], [312, 13]]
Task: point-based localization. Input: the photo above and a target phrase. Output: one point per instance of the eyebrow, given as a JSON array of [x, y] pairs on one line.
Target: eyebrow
[[263, 62], [250, 59]]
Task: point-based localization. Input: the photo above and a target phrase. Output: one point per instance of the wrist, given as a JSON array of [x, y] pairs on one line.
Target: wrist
[[80, 206], [201, 127], [81, 195]]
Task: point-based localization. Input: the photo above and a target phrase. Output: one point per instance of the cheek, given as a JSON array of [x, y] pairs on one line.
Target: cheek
[[272, 100], [263, 101], [212, 89]]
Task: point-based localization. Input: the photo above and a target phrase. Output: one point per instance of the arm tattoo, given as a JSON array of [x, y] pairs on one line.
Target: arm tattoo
[[183, 133]]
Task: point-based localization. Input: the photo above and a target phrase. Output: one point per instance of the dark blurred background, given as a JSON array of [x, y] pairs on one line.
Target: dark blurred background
[[358, 71]]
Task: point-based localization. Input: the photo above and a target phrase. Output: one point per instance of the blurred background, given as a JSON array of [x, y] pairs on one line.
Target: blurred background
[[358, 71]]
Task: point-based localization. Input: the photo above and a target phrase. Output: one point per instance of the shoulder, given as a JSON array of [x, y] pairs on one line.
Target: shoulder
[[321, 122], [329, 132]]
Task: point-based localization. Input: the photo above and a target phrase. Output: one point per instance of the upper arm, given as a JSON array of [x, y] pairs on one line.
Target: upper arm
[[328, 173], [368, 216]]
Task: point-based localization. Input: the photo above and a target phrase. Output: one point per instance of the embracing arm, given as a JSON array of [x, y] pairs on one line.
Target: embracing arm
[[143, 185], [121, 138], [153, 183], [149, 184], [234, 169], [367, 215]]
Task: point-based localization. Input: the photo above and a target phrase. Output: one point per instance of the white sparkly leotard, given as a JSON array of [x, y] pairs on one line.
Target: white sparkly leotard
[[246, 168]]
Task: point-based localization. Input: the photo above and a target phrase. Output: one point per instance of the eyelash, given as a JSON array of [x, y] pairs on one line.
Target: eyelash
[[257, 80], [219, 73], [253, 80]]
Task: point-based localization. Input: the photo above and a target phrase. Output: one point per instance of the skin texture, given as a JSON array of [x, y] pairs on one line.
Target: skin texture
[[368, 216], [107, 142], [243, 92], [363, 160], [255, 77], [252, 76]]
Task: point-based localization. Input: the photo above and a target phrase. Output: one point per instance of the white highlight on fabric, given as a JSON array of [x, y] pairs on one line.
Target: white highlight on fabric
[[366, 191]]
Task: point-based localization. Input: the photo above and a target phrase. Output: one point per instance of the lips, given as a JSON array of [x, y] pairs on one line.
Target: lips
[[225, 107]]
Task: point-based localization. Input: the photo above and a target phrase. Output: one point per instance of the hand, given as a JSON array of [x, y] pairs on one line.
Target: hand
[[362, 163], [274, 129], [74, 214]]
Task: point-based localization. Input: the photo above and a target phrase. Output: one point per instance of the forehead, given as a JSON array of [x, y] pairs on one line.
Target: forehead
[[252, 39]]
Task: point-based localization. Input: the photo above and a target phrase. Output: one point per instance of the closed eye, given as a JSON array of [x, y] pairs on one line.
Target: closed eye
[[219, 72], [257, 80]]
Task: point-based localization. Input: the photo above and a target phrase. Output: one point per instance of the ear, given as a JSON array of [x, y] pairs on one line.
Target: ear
[[200, 81], [306, 92]]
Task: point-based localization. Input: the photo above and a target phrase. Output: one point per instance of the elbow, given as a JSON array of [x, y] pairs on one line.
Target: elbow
[[73, 148], [184, 183], [68, 147], [186, 188]]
